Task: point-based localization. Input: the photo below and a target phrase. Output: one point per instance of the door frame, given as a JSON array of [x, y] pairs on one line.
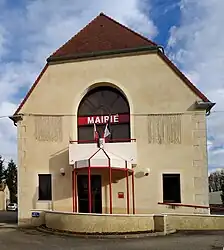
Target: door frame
[[77, 192]]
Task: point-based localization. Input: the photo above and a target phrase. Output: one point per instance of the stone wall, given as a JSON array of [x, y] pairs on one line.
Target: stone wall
[[122, 223], [99, 223], [195, 222]]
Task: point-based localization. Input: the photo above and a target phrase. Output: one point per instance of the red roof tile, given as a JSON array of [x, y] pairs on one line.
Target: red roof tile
[[102, 34]]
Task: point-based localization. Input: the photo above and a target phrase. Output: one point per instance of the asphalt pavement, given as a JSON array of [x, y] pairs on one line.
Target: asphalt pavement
[[12, 238], [9, 217]]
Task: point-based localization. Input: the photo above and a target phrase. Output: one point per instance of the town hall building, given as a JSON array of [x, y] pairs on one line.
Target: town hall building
[[111, 126]]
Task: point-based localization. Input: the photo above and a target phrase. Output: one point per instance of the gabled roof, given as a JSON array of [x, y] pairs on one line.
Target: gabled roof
[[102, 34], [105, 36]]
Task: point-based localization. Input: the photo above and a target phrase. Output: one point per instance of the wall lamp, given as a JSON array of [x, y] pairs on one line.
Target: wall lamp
[[62, 171]]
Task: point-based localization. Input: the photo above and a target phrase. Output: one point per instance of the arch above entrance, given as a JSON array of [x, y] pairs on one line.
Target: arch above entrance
[[103, 105]]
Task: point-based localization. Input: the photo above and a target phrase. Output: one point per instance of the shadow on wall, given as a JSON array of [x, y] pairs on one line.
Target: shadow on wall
[[118, 184], [61, 184]]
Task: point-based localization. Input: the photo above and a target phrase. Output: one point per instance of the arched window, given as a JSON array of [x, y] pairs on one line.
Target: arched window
[[104, 105]]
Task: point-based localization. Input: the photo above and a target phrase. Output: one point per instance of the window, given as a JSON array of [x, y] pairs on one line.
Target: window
[[104, 101], [45, 189], [171, 188]]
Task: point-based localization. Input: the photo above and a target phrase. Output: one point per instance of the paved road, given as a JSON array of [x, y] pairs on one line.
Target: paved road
[[8, 217], [12, 238]]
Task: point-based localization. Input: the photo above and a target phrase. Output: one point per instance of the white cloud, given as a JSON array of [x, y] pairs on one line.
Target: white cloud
[[3, 40], [197, 46], [36, 29], [7, 132]]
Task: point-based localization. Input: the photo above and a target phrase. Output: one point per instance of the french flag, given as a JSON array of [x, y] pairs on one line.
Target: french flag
[[106, 131], [96, 134]]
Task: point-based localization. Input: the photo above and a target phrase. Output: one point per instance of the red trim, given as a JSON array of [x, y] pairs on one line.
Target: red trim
[[110, 181], [110, 186], [89, 189], [93, 156], [106, 167], [133, 192], [127, 185], [73, 192], [111, 140], [182, 77], [181, 205], [31, 89], [103, 119], [75, 184], [189, 205]]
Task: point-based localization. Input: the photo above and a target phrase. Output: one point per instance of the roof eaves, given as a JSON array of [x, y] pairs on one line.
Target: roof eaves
[[102, 53], [116, 52]]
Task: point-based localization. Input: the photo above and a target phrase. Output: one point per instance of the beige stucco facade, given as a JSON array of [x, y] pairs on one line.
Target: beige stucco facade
[[154, 92], [4, 198]]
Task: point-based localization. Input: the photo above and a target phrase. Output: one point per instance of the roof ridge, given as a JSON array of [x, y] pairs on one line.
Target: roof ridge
[[127, 28]]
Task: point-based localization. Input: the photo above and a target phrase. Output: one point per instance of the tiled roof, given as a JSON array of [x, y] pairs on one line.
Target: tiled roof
[[102, 34], [106, 34]]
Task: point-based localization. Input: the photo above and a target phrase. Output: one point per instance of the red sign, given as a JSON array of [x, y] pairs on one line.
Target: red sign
[[120, 195], [103, 119]]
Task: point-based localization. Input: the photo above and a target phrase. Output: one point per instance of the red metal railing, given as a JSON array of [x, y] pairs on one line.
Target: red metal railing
[[214, 207], [111, 140], [181, 205]]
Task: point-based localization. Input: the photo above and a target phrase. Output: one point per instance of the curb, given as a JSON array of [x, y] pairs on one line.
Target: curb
[[101, 236], [7, 225]]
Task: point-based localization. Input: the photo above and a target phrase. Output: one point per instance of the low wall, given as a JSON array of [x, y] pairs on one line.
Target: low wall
[[122, 223], [194, 222], [2, 201], [98, 223]]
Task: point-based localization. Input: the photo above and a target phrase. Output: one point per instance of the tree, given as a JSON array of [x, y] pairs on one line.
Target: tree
[[2, 170], [216, 179], [222, 194], [11, 180]]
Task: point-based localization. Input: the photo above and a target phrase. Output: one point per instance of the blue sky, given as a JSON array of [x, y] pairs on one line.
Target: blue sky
[[189, 30]]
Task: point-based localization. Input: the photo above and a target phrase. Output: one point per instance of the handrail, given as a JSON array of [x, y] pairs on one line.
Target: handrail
[[214, 207], [182, 205], [110, 140]]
